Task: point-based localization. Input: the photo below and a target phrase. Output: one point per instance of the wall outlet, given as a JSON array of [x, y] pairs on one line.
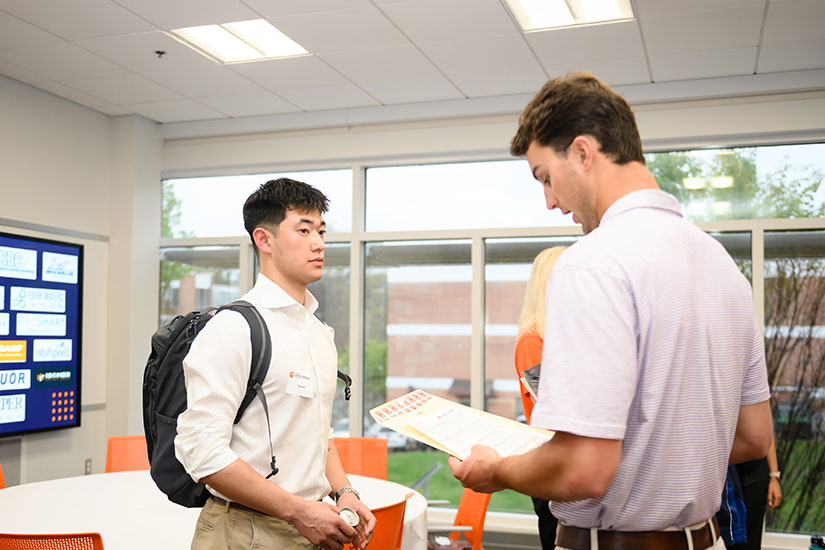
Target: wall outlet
[[88, 466]]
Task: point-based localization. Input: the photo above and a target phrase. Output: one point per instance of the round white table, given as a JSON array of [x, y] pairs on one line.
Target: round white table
[[132, 513]]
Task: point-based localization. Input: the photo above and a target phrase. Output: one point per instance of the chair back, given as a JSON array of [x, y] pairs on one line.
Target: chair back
[[363, 456], [2, 481], [389, 526], [472, 511], [69, 541], [126, 453]]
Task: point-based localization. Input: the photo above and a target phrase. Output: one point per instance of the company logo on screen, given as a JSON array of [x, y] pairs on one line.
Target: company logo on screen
[[18, 263], [53, 377], [17, 379], [12, 351], [59, 268], [12, 408]]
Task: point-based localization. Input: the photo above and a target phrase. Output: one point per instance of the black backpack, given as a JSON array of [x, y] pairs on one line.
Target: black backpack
[[164, 395]]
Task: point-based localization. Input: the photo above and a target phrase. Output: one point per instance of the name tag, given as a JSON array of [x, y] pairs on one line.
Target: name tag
[[299, 384]]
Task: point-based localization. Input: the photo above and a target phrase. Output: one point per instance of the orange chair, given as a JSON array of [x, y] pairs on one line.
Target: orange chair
[[2, 481], [72, 541], [469, 519], [389, 526], [363, 456], [126, 453]]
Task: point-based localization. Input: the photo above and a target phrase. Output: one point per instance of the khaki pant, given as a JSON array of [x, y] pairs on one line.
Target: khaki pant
[[222, 527]]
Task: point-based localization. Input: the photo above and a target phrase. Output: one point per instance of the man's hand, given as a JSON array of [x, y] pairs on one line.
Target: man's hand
[[477, 471], [320, 524], [349, 500]]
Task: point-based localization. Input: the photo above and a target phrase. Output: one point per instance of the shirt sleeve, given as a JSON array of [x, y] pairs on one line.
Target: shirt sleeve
[[216, 372], [589, 371], [755, 388]]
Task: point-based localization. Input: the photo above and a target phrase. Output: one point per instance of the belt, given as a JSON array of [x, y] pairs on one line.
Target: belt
[[578, 538], [230, 504]]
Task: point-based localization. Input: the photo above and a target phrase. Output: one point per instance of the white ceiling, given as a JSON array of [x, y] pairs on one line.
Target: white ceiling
[[378, 56]]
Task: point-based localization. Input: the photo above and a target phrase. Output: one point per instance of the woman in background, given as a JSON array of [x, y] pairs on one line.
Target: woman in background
[[528, 354]]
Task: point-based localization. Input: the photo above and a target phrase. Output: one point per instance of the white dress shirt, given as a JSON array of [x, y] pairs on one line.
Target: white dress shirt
[[217, 370], [650, 338]]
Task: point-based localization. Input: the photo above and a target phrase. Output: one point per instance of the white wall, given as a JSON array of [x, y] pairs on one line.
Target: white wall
[[75, 175]]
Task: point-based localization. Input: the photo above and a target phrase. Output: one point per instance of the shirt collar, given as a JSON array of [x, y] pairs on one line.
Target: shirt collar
[[643, 198], [273, 296]]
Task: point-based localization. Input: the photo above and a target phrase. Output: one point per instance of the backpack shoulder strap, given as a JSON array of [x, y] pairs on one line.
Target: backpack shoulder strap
[[261, 350], [261, 357]]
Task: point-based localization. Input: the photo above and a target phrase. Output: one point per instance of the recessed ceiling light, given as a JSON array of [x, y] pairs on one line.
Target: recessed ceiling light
[[239, 42], [535, 15], [693, 183]]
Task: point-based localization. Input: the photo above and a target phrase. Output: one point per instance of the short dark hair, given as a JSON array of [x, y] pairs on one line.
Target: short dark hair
[[269, 205], [579, 104]]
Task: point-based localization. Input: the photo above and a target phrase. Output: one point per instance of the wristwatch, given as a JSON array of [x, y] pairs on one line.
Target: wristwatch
[[346, 489], [775, 474]]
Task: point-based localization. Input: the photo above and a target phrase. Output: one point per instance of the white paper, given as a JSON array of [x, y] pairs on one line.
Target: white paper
[[459, 430]]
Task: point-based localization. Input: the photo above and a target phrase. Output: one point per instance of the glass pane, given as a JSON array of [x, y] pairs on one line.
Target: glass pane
[[782, 181], [194, 278], [213, 206], [509, 262], [417, 336], [795, 352], [332, 292], [492, 194], [738, 245]]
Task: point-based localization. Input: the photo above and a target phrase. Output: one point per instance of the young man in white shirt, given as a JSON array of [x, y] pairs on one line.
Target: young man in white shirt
[[247, 506], [653, 367]]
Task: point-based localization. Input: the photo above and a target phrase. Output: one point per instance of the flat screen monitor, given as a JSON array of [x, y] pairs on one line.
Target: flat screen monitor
[[41, 294]]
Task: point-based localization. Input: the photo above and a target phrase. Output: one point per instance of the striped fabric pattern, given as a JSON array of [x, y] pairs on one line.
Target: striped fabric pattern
[[650, 338]]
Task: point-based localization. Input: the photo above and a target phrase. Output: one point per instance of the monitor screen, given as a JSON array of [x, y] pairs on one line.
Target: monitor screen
[[41, 291]]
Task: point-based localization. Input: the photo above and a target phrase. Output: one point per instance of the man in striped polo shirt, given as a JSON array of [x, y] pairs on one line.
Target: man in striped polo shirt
[[653, 368]]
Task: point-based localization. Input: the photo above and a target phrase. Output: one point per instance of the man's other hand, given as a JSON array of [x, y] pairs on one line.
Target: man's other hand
[[477, 471]]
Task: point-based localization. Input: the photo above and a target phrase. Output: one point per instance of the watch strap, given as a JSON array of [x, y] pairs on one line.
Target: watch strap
[[346, 489]]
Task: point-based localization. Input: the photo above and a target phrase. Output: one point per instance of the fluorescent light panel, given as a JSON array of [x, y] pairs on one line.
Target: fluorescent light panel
[[535, 15], [239, 42]]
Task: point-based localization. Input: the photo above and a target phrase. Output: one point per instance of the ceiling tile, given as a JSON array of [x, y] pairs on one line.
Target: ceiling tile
[[343, 30], [397, 91], [794, 56], [481, 55], [84, 99], [62, 61], [616, 72], [577, 45], [795, 22], [123, 89], [239, 105], [137, 52], [330, 97], [684, 66], [400, 62], [649, 8], [15, 33], [294, 72], [280, 8], [176, 14], [206, 81], [441, 21], [504, 82], [78, 19], [695, 32], [19, 73], [176, 111]]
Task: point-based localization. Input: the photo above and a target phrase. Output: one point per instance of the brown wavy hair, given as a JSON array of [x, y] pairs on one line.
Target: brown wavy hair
[[579, 104]]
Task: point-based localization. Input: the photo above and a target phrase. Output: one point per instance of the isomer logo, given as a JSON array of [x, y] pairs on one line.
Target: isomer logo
[[12, 351]]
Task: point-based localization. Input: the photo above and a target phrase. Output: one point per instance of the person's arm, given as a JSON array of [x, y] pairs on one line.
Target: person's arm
[[754, 433], [568, 467], [774, 489], [317, 521], [337, 479]]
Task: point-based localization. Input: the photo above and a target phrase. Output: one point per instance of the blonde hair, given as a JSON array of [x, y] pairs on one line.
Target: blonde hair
[[532, 312]]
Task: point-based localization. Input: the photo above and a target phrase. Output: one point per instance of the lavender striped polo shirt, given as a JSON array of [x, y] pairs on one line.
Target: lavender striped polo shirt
[[650, 338]]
